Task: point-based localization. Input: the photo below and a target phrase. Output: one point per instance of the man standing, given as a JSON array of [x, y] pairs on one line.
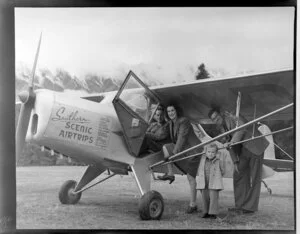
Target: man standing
[[247, 158]]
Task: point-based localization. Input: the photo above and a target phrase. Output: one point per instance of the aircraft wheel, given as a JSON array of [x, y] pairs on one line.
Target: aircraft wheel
[[151, 205], [66, 194]]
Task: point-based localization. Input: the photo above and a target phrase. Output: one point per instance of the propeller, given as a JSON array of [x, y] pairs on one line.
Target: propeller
[[27, 99]]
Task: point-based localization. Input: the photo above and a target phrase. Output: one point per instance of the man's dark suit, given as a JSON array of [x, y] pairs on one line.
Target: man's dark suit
[[249, 156]]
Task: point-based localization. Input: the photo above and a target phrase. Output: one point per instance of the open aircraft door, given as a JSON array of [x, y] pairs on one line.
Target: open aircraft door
[[135, 105]]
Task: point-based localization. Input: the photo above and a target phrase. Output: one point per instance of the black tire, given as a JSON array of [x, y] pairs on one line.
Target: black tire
[[151, 206], [66, 195]]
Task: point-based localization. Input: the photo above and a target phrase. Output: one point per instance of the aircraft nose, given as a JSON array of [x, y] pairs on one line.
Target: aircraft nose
[[24, 96]]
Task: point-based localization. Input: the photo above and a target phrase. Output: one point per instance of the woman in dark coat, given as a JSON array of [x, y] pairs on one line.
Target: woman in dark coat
[[182, 137]]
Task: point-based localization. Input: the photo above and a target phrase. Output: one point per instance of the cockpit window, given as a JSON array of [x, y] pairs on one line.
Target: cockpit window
[[135, 104], [139, 99]]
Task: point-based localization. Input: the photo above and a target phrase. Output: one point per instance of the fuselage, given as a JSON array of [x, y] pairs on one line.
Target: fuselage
[[79, 128]]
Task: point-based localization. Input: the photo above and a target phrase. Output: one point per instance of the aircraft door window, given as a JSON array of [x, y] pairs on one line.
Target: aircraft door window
[[140, 102], [135, 105]]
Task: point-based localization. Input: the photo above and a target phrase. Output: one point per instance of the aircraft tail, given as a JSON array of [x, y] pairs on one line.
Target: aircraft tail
[[270, 150]]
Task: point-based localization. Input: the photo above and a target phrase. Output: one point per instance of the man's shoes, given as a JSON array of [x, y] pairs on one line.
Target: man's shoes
[[235, 209], [205, 216], [171, 178], [247, 211], [241, 210], [208, 216], [191, 209]]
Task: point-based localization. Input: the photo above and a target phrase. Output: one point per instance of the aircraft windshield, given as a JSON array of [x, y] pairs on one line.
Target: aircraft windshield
[[139, 99]]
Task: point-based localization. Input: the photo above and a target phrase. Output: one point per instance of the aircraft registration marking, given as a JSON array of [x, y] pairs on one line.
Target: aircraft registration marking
[[79, 126]]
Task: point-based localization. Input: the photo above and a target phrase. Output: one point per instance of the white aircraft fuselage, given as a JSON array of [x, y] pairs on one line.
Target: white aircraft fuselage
[[86, 130]]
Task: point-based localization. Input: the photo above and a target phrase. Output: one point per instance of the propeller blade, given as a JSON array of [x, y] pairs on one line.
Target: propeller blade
[[35, 61], [22, 127], [28, 100]]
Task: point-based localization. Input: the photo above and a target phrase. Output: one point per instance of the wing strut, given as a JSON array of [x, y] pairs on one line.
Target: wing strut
[[238, 107], [286, 153], [254, 116], [225, 134], [236, 143]]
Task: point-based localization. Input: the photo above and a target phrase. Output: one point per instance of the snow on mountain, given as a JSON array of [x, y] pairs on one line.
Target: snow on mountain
[[110, 84], [61, 80], [94, 83], [150, 74], [80, 84], [22, 71], [220, 72]]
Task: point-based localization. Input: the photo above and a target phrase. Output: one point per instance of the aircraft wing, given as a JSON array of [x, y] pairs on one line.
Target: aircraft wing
[[268, 91]]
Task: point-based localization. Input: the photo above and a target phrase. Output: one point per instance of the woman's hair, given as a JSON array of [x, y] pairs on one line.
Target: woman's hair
[[176, 107], [162, 109]]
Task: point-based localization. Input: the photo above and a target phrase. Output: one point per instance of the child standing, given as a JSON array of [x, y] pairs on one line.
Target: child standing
[[211, 170]]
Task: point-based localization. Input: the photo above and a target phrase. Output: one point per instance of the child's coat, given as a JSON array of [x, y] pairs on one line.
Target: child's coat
[[217, 171]]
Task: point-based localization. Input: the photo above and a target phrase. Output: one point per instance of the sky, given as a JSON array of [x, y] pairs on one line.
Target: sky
[[170, 41]]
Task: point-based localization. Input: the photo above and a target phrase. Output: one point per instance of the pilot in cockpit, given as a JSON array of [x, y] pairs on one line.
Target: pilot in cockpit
[[157, 133]]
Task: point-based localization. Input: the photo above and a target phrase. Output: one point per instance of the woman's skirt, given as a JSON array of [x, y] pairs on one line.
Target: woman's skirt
[[188, 166]]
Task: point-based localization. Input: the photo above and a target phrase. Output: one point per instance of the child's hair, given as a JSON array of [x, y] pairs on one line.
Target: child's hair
[[213, 145]]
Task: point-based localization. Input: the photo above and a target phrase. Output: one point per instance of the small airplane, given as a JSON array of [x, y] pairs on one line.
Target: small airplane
[[106, 131]]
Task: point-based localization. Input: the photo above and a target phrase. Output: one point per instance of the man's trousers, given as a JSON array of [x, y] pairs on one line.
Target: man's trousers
[[247, 183]]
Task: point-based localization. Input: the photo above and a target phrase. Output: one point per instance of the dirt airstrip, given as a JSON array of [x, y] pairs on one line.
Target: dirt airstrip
[[113, 204]]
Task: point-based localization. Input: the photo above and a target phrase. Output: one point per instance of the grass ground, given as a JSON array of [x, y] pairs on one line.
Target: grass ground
[[114, 204]]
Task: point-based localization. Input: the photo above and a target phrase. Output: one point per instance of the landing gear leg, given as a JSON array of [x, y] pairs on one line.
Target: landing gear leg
[[70, 192], [151, 204]]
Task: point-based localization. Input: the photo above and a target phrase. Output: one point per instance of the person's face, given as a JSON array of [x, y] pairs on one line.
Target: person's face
[[216, 118], [172, 112], [158, 116], [211, 152]]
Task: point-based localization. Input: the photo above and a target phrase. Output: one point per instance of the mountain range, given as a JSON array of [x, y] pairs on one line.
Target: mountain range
[[61, 80]]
